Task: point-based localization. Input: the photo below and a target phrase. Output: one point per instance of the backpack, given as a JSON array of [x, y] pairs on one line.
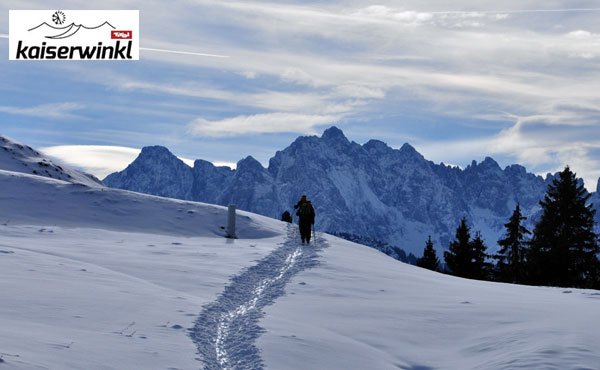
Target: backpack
[[304, 210]]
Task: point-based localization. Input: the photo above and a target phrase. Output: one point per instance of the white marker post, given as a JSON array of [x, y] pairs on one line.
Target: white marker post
[[231, 222]]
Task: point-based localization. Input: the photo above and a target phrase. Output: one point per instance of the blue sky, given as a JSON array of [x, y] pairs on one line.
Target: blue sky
[[517, 81]]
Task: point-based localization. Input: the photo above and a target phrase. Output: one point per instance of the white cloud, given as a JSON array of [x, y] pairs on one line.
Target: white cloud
[[360, 91], [408, 17], [98, 160], [54, 111], [582, 55], [251, 75], [259, 124], [579, 34], [297, 75]]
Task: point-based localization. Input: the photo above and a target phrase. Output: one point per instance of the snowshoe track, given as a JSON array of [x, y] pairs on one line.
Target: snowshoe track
[[226, 330]]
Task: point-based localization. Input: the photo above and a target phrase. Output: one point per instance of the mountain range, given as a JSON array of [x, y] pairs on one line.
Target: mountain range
[[372, 190]]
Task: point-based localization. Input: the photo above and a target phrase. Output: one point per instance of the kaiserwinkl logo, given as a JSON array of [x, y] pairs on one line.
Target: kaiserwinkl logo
[[74, 35]]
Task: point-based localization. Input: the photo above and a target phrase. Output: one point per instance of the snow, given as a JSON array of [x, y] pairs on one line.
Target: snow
[[362, 310], [45, 201], [98, 278], [87, 286], [22, 158]]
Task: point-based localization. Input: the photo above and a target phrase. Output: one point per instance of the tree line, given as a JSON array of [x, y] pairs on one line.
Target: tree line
[[562, 249]]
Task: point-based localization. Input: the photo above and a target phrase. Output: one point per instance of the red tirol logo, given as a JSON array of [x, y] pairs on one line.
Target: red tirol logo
[[123, 35]]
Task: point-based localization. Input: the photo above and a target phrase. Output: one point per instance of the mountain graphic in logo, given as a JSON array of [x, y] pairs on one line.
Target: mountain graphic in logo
[[66, 31]]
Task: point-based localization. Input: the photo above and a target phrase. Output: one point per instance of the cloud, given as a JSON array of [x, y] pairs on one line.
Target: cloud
[[549, 146], [98, 160], [360, 91], [297, 75], [53, 111], [542, 144], [579, 34], [260, 124], [251, 75], [408, 17], [324, 61]]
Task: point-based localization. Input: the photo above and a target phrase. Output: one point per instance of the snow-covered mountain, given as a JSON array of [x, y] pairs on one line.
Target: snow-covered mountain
[[372, 190], [23, 158], [100, 278]]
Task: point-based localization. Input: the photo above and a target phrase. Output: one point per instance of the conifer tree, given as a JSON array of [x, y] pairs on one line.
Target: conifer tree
[[459, 255], [479, 268], [510, 265], [429, 260], [564, 247]]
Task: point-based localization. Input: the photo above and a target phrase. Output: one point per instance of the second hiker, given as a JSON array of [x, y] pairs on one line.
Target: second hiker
[[306, 216]]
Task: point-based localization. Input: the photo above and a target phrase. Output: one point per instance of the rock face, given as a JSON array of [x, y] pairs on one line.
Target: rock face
[[372, 190], [155, 171]]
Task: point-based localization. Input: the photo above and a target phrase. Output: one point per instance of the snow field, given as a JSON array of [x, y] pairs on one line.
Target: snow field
[[360, 309], [97, 299]]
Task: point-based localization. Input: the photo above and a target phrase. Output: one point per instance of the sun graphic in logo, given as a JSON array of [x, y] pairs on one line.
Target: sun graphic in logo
[[58, 17]]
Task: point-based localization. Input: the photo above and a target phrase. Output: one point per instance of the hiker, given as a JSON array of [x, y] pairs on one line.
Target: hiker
[[306, 216], [286, 216], [300, 202]]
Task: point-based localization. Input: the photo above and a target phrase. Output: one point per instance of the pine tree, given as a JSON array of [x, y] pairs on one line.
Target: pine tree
[[510, 266], [564, 247], [429, 260], [459, 255], [479, 268]]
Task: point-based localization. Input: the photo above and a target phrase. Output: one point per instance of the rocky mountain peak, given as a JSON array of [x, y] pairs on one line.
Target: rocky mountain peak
[[376, 147], [408, 151], [201, 165], [516, 169], [156, 152], [490, 163], [334, 135], [249, 164]]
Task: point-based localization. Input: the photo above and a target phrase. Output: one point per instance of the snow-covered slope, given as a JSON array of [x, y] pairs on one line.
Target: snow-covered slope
[[361, 310], [370, 190], [110, 279], [22, 158], [28, 199], [98, 278]]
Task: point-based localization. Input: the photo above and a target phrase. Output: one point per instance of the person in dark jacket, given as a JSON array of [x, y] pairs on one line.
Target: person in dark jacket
[[286, 216], [306, 216], [300, 202]]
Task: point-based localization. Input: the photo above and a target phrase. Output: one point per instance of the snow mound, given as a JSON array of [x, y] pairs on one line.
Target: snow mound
[[23, 158], [36, 200]]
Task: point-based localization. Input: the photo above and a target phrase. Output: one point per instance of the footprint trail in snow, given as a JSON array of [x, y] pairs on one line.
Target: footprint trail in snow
[[226, 330]]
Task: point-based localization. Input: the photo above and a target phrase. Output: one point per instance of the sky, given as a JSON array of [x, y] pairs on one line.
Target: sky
[[518, 81]]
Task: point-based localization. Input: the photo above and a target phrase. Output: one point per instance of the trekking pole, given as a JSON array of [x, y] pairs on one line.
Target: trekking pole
[[314, 234]]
